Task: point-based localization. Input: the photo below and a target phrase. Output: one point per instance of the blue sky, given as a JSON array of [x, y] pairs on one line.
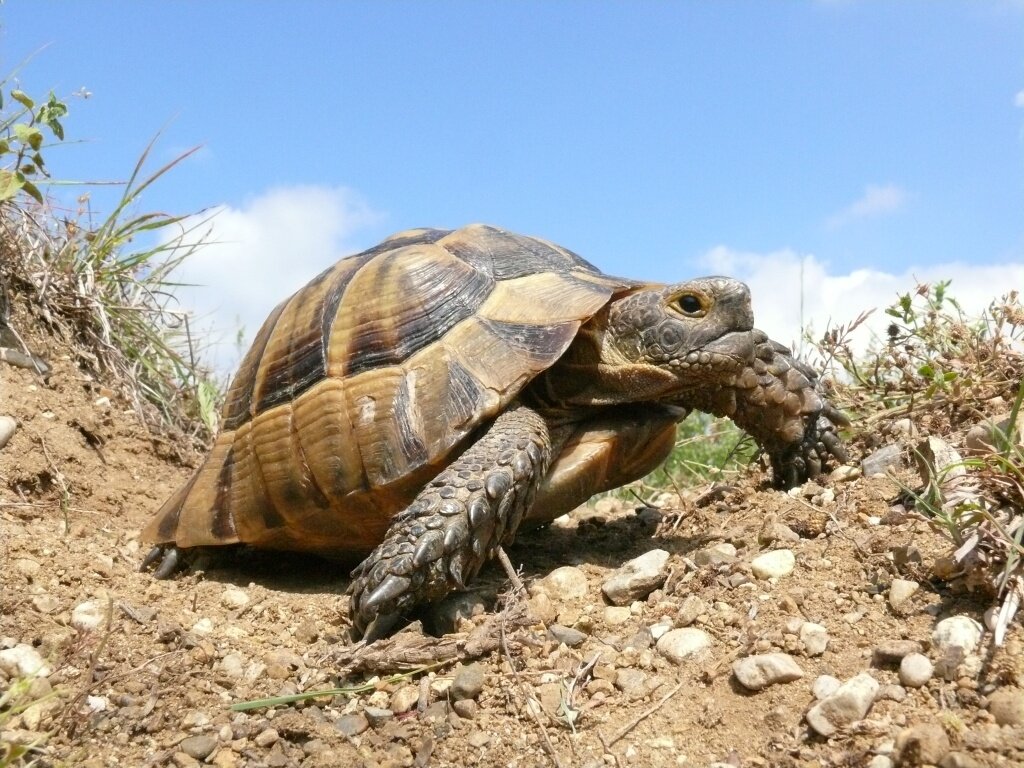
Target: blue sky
[[869, 142]]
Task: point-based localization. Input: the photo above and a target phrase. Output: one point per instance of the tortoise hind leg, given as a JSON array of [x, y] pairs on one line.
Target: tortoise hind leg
[[166, 559], [441, 540]]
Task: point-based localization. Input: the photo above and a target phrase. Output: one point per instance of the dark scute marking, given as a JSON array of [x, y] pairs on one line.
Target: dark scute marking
[[314, 491], [238, 406], [440, 295], [410, 442], [465, 394], [543, 342], [169, 522], [505, 255], [223, 524]]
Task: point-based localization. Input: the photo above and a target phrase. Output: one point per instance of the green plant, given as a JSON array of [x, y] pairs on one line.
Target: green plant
[[21, 142]]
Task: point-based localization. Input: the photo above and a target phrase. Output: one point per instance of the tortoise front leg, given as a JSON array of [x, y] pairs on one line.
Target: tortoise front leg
[[441, 540]]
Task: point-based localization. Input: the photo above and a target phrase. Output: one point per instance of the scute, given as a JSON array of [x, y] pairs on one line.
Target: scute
[[367, 381]]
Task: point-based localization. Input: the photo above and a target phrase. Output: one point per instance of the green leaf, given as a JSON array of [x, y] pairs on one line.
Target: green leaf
[[27, 168], [22, 98], [927, 371], [32, 189], [4, 147], [10, 185], [28, 134], [949, 375]]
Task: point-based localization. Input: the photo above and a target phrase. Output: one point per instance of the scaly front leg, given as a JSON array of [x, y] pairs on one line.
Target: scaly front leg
[[452, 527]]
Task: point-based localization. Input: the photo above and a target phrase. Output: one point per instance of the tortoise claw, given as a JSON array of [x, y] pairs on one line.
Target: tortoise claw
[[166, 557]]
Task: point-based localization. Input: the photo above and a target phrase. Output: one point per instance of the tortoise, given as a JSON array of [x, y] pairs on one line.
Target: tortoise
[[415, 403]]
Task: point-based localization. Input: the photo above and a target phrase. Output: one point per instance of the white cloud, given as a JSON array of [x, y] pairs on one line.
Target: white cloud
[[877, 200], [260, 253], [776, 284], [1018, 99]]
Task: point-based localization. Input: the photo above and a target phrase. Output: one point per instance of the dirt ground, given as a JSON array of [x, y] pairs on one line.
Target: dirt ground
[[144, 672]]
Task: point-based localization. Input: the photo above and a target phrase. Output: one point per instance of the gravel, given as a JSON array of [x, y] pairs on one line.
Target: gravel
[[844, 706], [757, 672], [636, 578], [915, 670], [957, 632], [468, 682], [678, 645], [774, 564]]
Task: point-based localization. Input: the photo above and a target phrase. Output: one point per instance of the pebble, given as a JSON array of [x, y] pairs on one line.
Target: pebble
[[846, 705], [630, 680], [541, 608], [845, 473], [376, 716], [23, 661], [468, 682], [234, 598], [565, 583], [915, 670], [936, 459], [988, 436], [352, 724], [893, 651], [882, 460], [446, 615], [716, 554], [232, 666], [87, 616], [678, 645], [824, 686], [880, 761], [637, 578], [814, 638], [757, 672], [198, 747], [691, 608], [777, 563], [571, 637], [479, 739], [45, 603], [900, 591], [465, 708], [404, 699], [1007, 706], [616, 614], [956, 632], [27, 567], [267, 737], [7, 427], [922, 744]]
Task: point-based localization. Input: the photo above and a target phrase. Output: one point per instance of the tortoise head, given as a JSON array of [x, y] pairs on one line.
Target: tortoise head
[[657, 343]]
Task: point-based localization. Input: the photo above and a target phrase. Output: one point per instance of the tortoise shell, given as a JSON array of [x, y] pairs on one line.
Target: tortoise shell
[[368, 381]]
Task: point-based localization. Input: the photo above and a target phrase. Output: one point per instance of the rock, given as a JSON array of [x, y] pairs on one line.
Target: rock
[[541, 608], [982, 439], [882, 460], [715, 554], [678, 645], [479, 739], [938, 460], [466, 708], [468, 682], [629, 680], [565, 583], [234, 598], [824, 686], [845, 473], [232, 666], [814, 638], [846, 705], [353, 724], [691, 608], [571, 637], [915, 670], [891, 693], [375, 716], [1007, 706], [637, 578], [880, 761], [404, 699], [267, 737], [893, 651], [87, 616], [45, 603], [23, 661], [906, 427], [198, 747], [922, 744], [774, 564], [7, 427], [444, 617], [900, 591], [956, 632], [27, 567], [614, 615], [757, 672], [959, 760]]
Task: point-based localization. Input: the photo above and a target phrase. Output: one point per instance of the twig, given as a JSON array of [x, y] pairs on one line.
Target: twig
[[642, 716], [510, 571]]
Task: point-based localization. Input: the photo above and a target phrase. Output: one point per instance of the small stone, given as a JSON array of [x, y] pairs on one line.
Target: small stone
[[900, 591], [465, 708], [691, 608], [87, 616], [198, 747], [45, 603], [681, 644], [774, 564], [882, 460], [891, 693], [616, 614], [404, 699], [957, 632], [824, 686], [637, 578], [234, 598], [880, 761], [814, 638], [845, 706], [376, 716], [989, 436], [757, 672], [7, 427], [27, 567], [905, 426], [445, 616], [565, 583], [937, 460], [922, 744], [352, 724], [479, 739], [716, 554], [438, 710], [181, 760], [468, 682], [959, 760], [571, 637], [845, 473], [203, 626], [23, 661], [915, 670], [1007, 706], [267, 737], [630, 680], [232, 666], [893, 651]]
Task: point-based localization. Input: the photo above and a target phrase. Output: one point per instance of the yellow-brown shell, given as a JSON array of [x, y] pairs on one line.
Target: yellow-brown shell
[[362, 386]]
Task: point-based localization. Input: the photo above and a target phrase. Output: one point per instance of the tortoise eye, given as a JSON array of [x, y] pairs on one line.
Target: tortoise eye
[[690, 304]]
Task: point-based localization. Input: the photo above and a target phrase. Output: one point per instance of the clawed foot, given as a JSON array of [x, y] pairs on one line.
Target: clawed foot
[[819, 448], [165, 559]]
